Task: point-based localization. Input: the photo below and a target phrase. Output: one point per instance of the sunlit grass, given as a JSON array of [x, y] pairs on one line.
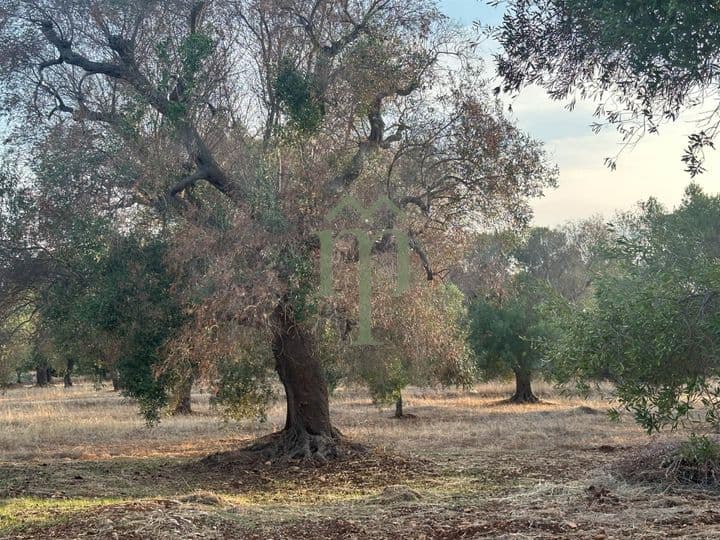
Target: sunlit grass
[[33, 513]]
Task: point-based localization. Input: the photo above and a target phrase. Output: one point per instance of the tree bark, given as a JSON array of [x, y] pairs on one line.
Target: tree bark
[[42, 375], [399, 406], [67, 377], [523, 388], [183, 396], [308, 432]]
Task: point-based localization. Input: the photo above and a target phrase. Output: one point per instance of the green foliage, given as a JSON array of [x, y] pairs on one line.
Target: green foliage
[[243, 388], [116, 306], [16, 340], [300, 97], [16, 204], [180, 76], [386, 379], [653, 323], [507, 335], [194, 50], [135, 304], [8, 365], [698, 449], [645, 61], [696, 461]]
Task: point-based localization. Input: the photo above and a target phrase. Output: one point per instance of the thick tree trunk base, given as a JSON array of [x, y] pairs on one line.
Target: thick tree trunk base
[[292, 444], [67, 377], [524, 398], [523, 388], [399, 407], [182, 399], [42, 376], [284, 447], [400, 414], [183, 408], [308, 432]]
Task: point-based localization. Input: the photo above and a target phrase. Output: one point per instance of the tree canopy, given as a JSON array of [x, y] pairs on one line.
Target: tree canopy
[[652, 324], [644, 62], [233, 128]]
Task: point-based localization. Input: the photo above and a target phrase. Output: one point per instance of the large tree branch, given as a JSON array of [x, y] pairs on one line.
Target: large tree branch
[[358, 28], [126, 70], [68, 56], [187, 182], [352, 171], [424, 259]]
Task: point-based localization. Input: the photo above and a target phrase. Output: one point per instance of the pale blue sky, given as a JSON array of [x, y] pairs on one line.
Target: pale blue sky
[[467, 11], [587, 187]]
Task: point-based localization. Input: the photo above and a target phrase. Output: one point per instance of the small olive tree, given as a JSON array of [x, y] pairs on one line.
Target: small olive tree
[[424, 337], [508, 334]]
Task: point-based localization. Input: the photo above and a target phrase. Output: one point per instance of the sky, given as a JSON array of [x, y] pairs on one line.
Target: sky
[[586, 186]]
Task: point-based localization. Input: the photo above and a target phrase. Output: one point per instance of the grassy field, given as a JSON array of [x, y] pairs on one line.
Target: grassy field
[[80, 463]]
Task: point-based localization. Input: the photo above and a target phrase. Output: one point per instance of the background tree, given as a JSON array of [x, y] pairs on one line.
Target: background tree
[[15, 348], [423, 343], [644, 62], [116, 304], [652, 321], [486, 266], [563, 260], [508, 335], [515, 275], [244, 123]]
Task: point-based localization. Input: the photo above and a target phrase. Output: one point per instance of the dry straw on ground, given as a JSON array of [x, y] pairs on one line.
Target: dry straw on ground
[[81, 463]]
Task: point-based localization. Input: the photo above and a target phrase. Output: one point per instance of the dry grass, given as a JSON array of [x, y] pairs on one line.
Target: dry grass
[[84, 422], [82, 462]]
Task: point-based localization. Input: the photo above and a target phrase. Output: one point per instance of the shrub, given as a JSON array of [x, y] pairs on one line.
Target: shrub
[[696, 461]]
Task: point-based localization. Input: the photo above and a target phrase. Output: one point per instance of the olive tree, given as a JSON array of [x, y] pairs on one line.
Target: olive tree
[[245, 122], [508, 335], [652, 323], [644, 63], [423, 343]]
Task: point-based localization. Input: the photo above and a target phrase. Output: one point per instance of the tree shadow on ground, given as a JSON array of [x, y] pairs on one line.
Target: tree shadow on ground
[[230, 472]]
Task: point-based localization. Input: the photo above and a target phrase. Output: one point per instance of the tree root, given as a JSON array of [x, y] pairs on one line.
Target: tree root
[[289, 446], [523, 398], [294, 445], [298, 444]]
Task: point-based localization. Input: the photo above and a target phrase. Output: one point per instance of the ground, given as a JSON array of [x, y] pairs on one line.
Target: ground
[[80, 463]]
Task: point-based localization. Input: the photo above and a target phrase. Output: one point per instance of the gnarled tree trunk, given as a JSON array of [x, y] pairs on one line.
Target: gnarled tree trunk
[[183, 396], [399, 406], [308, 432], [42, 375], [67, 377], [523, 388]]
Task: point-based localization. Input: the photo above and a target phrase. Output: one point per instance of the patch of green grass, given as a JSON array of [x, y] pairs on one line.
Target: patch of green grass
[[28, 513]]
